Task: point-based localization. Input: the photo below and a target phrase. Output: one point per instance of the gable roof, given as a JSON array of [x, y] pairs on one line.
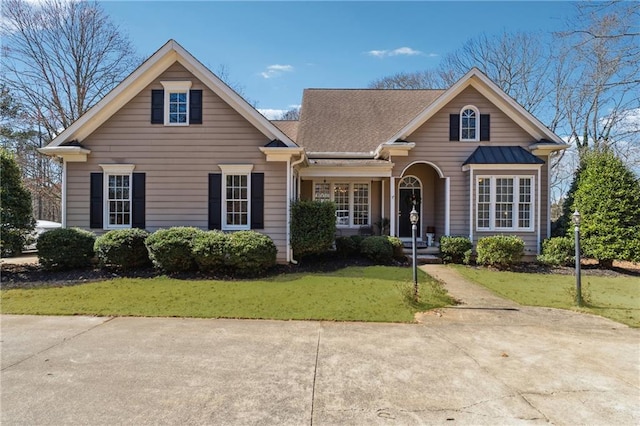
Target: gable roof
[[356, 120], [162, 59], [497, 96], [289, 127], [502, 155]]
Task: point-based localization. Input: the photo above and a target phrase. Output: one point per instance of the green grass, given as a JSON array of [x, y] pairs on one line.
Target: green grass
[[616, 298], [375, 293]]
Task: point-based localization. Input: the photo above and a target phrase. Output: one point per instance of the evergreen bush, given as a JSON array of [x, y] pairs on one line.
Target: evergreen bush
[[123, 249], [250, 252], [210, 250], [313, 227], [500, 251], [378, 249], [557, 251], [454, 249], [171, 249], [65, 248], [16, 218]]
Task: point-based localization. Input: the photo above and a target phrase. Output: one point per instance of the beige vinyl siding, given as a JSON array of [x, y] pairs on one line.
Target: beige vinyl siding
[[433, 145], [177, 161]]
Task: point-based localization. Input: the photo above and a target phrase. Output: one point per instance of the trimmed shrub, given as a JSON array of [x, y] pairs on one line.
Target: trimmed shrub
[[378, 249], [500, 251], [250, 252], [346, 246], [398, 247], [171, 249], [313, 227], [453, 249], [123, 249], [65, 248], [557, 251], [210, 250]]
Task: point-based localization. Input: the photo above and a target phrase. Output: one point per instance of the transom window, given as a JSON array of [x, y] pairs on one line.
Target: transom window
[[237, 196], [176, 102], [504, 203], [352, 201], [469, 124]]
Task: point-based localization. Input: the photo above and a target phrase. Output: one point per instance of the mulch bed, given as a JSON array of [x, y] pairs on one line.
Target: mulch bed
[[33, 276]]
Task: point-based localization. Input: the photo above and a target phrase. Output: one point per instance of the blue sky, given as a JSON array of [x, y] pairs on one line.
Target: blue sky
[[274, 50]]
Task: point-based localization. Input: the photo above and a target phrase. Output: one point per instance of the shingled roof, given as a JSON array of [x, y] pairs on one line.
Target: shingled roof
[[355, 120]]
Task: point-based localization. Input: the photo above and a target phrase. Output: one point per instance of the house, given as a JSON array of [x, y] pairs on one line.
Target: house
[[172, 145]]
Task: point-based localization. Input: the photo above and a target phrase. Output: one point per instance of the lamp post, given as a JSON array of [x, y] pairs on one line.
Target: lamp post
[[576, 221], [414, 217]]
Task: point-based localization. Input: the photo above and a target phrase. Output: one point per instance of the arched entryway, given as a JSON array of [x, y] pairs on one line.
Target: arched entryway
[[409, 195]]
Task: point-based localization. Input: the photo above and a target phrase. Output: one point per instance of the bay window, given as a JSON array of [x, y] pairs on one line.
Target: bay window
[[504, 203]]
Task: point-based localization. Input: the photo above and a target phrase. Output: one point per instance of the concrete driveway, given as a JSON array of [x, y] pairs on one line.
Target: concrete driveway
[[459, 366]]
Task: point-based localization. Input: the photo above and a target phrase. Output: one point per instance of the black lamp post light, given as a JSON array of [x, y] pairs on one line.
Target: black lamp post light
[[576, 221], [413, 218]]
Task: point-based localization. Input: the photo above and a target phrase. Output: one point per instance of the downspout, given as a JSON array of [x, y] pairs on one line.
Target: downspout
[[539, 190], [290, 167], [64, 194], [471, 205]]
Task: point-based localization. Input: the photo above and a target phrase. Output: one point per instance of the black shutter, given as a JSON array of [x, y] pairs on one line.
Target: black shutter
[[215, 201], [96, 206], [484, 127], [195, 107], [454, 127], [257, 200], [157, 107], [138, 201]]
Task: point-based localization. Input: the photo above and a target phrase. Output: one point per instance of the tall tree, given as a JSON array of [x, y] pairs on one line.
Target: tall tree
[[427, 79], [16, 219], [60, 57]]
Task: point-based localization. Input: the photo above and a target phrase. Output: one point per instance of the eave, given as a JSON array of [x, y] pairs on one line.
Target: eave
[[545, 148], [70, 154], [280, 153]]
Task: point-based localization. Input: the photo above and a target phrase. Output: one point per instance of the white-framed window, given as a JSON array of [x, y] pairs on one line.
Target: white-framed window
[[236, 196], [469, 123], [176, 102], [352, 200], [504, 203], [117, 195]]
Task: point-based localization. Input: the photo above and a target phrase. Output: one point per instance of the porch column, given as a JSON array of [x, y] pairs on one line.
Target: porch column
[[392, 206], [447, 206], [382, 199]]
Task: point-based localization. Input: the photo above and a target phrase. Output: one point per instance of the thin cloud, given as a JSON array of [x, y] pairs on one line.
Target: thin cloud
[[276, 70], [272, 114], [400, 51]]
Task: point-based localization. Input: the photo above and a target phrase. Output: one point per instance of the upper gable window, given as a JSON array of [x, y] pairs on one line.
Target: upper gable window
[[176, 102], [469, 120]]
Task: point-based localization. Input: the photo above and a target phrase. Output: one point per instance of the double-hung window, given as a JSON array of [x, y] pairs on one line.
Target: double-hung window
[[117, 195], [236, 194], [504, 203], [352, 200], [176, 102]]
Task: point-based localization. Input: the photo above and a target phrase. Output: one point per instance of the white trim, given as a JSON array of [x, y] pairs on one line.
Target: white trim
[[421, 212], [472, 198], [498, 167], [288, 213], [515, 203], [548, 198], [538, 241], [118, 169], [144, 75], [392, 206], [437, 169], [382, 200], [72, 154], [236, 169], [64, 193], [477, 129], [175, 87], [447, 206], [347, 172], [493, 93], [351, 209], [281, 153]]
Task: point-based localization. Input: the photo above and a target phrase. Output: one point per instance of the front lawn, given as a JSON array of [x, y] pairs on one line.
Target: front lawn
[[374, 293], [616, 298]]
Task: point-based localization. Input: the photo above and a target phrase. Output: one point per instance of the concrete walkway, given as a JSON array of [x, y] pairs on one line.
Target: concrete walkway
[[483, 362]]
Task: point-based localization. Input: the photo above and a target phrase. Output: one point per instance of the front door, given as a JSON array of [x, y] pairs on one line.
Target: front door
[[407, 197]]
